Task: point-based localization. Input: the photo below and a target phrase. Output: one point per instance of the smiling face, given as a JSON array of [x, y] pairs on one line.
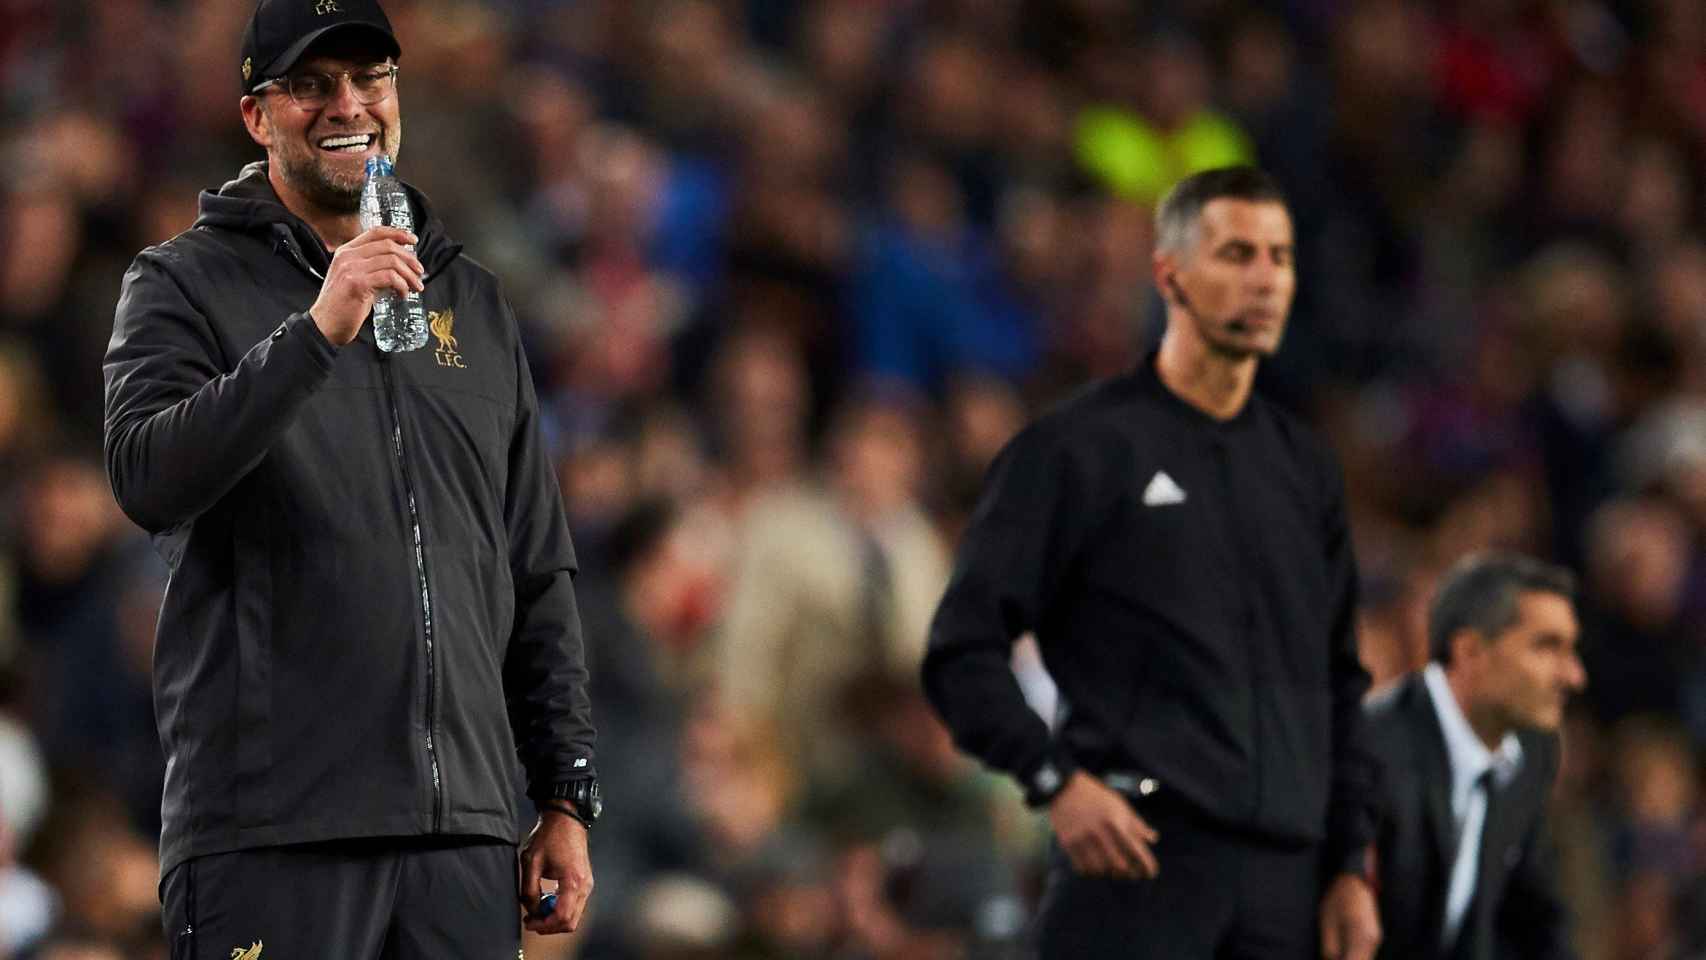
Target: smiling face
[[1235, 279], [319, 155]]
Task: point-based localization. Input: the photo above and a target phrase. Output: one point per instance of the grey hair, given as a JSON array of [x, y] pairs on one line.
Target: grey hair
[[1480, 593], [1179, 214]]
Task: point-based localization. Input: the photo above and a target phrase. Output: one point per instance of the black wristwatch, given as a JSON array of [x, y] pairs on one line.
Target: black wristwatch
[[1048, 778], [580, 798]]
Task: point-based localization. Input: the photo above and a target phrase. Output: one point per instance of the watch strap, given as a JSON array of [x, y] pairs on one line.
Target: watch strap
[[563, 806], [1048, 778]]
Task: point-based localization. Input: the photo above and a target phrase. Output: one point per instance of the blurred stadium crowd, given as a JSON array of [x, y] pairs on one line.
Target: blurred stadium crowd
[[790, 273]]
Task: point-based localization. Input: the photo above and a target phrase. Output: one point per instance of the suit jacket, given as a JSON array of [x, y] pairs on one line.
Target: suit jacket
[[1516, 911]]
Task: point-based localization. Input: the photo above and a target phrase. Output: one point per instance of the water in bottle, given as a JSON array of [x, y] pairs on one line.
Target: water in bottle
[[399, 323]]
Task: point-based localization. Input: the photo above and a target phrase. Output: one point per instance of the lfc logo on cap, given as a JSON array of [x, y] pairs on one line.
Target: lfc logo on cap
[[248, 67], [324, 7]]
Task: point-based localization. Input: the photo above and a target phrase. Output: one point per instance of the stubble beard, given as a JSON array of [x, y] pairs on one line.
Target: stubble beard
[[323, 187], [320, 186], [1232, 346], [1545, 717]]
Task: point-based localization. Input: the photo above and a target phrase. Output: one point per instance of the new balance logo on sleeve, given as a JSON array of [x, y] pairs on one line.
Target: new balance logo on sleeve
[[1162, 491]]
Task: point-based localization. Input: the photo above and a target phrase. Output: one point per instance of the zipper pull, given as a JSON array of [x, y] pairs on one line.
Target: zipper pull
[[296, 254]]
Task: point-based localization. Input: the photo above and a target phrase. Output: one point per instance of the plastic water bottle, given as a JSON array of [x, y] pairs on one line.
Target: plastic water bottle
[[399, 323]]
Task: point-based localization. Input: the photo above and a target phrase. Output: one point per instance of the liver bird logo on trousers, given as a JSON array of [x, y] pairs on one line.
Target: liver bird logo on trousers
[[253, 953]]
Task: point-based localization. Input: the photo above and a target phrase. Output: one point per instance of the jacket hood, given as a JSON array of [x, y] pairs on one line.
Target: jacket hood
[[249, 204]]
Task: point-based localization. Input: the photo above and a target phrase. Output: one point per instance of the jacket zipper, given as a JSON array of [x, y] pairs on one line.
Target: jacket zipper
[[420, 564], [426, 594]]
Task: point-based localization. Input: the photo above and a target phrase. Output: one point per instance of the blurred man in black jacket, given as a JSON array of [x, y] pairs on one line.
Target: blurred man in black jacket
[[1464, 863], [1179, 548]]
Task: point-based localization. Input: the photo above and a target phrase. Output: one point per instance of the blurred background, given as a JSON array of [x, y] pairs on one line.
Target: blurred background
[[790, 273]]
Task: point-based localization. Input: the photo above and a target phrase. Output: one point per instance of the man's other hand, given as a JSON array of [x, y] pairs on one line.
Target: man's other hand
[[1350, 920], [556, 850], [1101, 834]]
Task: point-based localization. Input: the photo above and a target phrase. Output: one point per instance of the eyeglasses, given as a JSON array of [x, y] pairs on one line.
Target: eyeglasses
[[310, 91]]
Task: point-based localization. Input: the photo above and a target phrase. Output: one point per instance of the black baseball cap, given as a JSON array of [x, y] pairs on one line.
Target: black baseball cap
[[281, 30]]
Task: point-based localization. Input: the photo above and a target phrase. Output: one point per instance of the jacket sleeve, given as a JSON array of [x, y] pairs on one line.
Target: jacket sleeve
[[545, 675], [1534, 919], [181, 428], [1353, 804], [1016, 551]]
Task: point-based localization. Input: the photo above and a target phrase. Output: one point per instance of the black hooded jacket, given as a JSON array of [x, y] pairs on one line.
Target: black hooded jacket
[[1192, 588], [371, 609]]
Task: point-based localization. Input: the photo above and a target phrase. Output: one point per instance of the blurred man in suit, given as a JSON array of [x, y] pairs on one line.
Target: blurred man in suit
[[1463, 860]]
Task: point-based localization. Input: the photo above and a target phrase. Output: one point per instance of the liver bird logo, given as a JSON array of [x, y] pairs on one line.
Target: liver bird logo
[[253, 953], [441, 324]]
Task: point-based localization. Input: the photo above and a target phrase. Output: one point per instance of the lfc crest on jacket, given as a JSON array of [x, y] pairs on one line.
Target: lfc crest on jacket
[[441, 325]]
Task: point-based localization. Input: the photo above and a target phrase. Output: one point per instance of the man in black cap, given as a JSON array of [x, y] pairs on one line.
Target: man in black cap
[[371, 612]]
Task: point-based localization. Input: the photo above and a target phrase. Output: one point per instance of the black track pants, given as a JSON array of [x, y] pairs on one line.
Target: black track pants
[[369, 899], [1218, 897]]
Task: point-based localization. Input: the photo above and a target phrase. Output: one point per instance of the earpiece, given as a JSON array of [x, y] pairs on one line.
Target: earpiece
[[1178, 291]]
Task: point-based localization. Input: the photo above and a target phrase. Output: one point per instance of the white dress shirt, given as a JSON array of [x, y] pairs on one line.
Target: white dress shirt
[[1469, 758]]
